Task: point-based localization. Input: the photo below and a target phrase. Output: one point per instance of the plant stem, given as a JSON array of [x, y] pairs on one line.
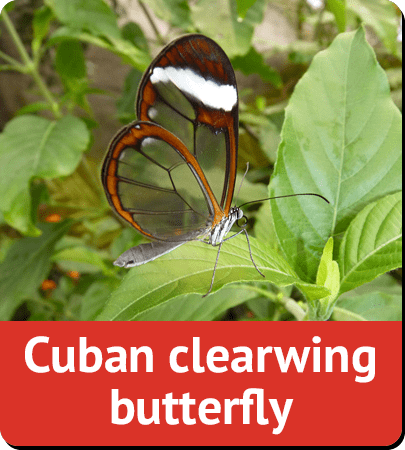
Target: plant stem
[[292, 306], [152, 23], [7, 67], [9, 59], [30, 67]]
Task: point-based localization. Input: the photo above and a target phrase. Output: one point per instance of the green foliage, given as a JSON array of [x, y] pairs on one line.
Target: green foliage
[[233, 33], [93, 16], [46, 149], [339, 136], [253, 62], [188, 270], [381, 16], [338, 8], [372, 244], [380, 299], [27, 263]]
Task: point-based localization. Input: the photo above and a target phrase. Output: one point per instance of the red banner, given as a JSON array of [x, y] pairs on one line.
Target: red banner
[[201, 383]]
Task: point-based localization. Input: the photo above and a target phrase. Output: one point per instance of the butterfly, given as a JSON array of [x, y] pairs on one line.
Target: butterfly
[[171, 174]]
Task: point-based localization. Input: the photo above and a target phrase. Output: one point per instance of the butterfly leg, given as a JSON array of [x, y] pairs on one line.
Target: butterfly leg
[[213, 273], [243, 230], [250, 253]]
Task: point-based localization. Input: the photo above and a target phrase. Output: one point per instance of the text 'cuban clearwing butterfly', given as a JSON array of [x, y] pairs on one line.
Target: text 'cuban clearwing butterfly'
[[171, 174]]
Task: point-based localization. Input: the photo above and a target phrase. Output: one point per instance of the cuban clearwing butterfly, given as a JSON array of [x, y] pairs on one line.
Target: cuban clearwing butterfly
[[171, 174]]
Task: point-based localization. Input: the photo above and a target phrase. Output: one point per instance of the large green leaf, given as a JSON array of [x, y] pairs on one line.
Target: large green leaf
[[341, 138], [32, 146], [372, 245], [232, 33], [91, 15], [188, 269], [193, 307], [26, 265], [381, 16]]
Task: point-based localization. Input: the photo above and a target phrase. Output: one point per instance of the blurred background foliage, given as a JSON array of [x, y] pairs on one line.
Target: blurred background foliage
[[79, 62]]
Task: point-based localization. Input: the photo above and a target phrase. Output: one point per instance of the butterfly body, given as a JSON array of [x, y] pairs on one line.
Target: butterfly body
[[217, 234]]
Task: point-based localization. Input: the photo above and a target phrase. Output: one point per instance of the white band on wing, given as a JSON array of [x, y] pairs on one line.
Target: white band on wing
[[211, 94]]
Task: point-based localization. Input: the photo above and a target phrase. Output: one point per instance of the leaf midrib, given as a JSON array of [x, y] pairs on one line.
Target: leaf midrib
[[42, 144], [343, 144]]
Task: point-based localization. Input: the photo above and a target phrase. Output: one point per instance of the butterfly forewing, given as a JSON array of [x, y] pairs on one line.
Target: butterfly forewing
[[190, 90]]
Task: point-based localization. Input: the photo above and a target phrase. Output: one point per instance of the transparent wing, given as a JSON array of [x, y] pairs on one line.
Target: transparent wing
[[190, 90], [150, 182]]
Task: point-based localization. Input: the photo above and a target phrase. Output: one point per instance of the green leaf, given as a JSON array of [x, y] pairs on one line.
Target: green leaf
[[373, 306], [243, 6], [378, 299], [225, 27], [384, 283], [372, 244], [76, 195], [253, 62], [126, 103], [128, 238], [175, 12], [26, 265], [88, 15], [381, 16], [33, 108], [133, 33], [338, 8], [30, 147], [264, 227], [95, 297], [81, 259], [69, 60], [188, 269], [193, 307], [328, 276], [341, 138], [126, 50], [40, 24], [269, 137]]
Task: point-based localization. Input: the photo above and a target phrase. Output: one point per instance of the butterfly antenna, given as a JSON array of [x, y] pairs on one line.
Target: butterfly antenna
[[284, 196], [244, 175]]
